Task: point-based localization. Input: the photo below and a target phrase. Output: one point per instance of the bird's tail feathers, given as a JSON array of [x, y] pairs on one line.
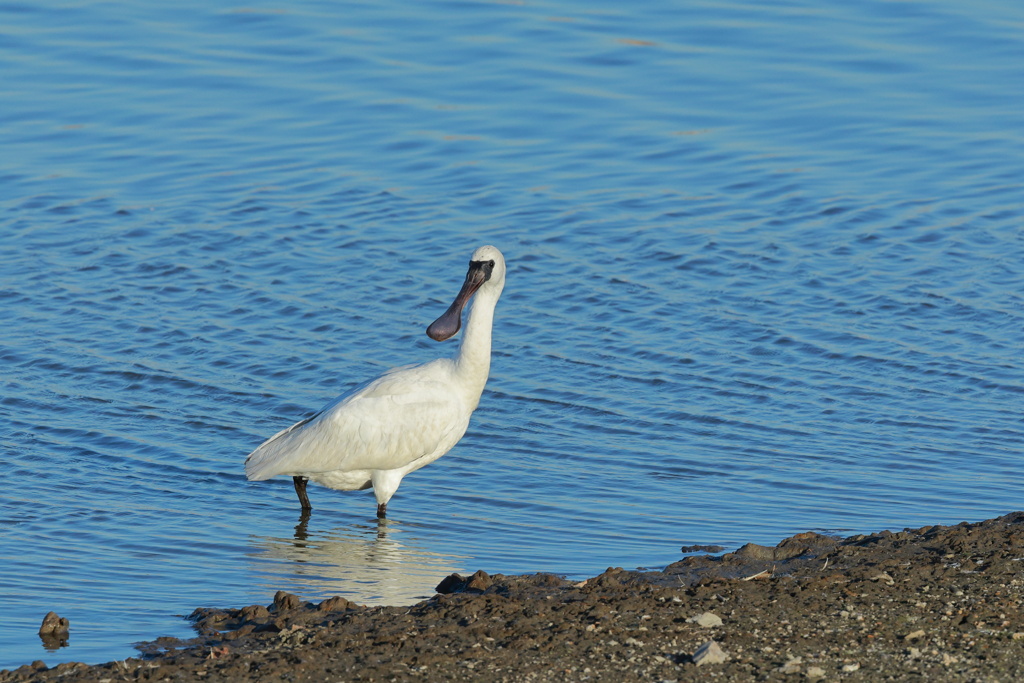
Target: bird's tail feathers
[[264, 462]]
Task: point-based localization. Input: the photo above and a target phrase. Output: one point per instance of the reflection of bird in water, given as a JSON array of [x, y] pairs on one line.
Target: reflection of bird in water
[[368, 563], [401, 421], [302, 528]]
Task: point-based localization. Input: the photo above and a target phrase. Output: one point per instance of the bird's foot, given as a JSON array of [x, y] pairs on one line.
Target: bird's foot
[[382, 510]]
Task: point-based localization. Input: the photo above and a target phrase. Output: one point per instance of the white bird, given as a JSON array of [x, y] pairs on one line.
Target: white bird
[[407, 418]]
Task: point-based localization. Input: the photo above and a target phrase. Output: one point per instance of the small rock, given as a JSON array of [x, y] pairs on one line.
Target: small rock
[[792, 666], [948, 659], [335, 604], [54, 625], [253, 612], [850, 668], [916, 635], [884, 576], [286, 601], [709, 653], [815, 673], [54, 631], [707, 620], [452, 583], [753, 551], [480, 581], [1018, 636]]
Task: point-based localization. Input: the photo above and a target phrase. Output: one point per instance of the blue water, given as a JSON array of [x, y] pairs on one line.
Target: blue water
[[764, 277]]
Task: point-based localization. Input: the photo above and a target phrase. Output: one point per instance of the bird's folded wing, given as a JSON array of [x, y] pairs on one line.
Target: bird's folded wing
[[385, 425]]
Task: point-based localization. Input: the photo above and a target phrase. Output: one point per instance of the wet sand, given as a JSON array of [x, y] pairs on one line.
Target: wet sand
[[934, 604]]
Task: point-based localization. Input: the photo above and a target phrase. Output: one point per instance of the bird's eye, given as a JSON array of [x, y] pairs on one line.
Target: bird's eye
[[491, 262]]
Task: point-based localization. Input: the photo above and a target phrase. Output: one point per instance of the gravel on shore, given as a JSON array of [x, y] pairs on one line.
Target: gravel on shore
[[931, 604]]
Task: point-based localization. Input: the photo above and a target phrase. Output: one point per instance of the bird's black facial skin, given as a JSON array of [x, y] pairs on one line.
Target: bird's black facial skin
[[486, 266], [451, 320]]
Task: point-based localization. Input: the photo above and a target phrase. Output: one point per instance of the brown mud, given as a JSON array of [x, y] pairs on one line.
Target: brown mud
[[930, 604]]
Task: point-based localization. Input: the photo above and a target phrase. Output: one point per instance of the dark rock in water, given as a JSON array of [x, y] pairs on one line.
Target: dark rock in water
[[54, 631], [456, 583], [53, 624], [702, 548], [161, 645], [209, 621]]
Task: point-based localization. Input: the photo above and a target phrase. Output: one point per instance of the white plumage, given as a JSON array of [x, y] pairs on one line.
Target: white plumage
[[406, 418]]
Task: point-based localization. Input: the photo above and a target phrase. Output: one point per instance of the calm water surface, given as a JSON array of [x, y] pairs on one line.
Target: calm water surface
[[765, 277]]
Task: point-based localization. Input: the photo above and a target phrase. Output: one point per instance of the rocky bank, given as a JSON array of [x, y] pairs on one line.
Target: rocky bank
[[930, 604]]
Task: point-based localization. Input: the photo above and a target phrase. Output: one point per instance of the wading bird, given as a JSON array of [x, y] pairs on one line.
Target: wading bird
[[407, 418]]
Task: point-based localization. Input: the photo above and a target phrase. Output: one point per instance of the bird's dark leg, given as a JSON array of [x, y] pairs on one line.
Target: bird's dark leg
[[300, 491], [382, 510]]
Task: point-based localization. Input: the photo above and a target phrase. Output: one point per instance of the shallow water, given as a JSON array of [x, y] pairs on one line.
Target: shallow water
[[765, 277]]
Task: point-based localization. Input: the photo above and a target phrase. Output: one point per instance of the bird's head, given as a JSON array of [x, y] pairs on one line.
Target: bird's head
[[486, 272]]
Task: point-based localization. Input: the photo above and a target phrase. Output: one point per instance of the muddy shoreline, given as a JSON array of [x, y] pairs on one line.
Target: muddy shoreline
[[936, 603]]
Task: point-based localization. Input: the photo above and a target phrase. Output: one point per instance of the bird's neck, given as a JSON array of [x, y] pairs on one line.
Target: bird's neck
[[473, 362]]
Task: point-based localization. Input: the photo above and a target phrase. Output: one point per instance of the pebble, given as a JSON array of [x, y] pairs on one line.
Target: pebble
[[815, 673], [915, 635], [707, 620], [850, 668], [709, 653], [792, 666], [884, 576]]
